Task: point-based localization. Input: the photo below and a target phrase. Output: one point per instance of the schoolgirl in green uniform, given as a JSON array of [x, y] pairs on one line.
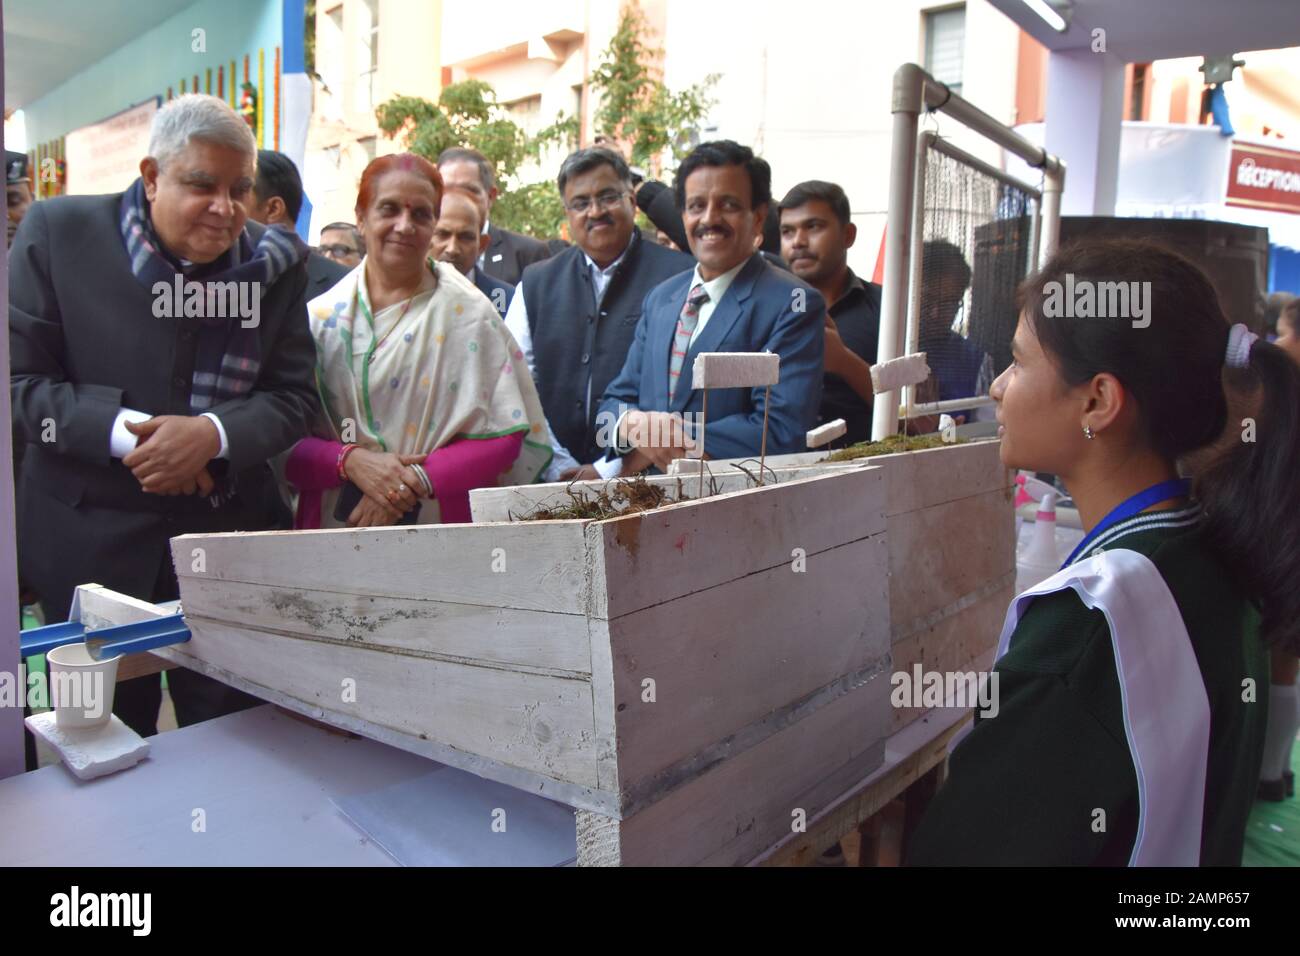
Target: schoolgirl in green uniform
[[1133, 683]]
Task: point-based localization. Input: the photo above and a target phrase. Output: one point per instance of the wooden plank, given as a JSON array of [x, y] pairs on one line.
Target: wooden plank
[[917, 479], [779, 463], [730, 656], [544, 564], [570, 794], [538, 641], [656, 556], [602, 676], [964, 641], [532, 722], [909, 754], [734, 810], [941, 553], [98, 607], [515, 501], [932, 476]]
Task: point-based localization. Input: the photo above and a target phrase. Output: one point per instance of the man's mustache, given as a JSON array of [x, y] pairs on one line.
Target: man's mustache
[[701, 230], [602, 221]]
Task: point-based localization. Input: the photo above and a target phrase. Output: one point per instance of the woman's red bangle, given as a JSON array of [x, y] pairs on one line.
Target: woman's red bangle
[[343, 458]]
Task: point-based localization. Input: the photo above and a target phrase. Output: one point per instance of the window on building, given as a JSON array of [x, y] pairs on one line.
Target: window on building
[[945, 45], [367, 144], [329, 57], [367, 60], [526, 113]]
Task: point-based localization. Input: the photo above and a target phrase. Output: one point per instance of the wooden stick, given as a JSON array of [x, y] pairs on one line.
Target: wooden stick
[[762, 457], [704, 421]]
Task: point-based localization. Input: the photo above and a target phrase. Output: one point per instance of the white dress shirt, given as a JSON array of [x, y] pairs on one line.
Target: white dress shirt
[[481, 261], [517, 323], [121, 442]]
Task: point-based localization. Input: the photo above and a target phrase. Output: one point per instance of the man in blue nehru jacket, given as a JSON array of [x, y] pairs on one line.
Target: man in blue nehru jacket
[[574, 314], [733, 301]]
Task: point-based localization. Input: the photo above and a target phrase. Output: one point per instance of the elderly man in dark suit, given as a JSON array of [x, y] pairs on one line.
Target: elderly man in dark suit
[[277, 201], [458, 238], [160, 356], [733, 301], [507, 253]]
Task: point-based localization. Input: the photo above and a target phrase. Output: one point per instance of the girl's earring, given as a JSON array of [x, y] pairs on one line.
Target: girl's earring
[[1088, 432]]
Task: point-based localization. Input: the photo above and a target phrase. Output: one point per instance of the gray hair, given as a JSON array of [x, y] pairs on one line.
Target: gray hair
[[198, 116]]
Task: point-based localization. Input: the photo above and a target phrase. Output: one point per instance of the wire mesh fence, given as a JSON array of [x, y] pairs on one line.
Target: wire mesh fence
[[976, 241]]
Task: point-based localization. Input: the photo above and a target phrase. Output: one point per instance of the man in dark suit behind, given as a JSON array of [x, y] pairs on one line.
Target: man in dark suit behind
[[574, 315], [147, 419], [507, 253], [458, 238], [276, 201], [734, 301]]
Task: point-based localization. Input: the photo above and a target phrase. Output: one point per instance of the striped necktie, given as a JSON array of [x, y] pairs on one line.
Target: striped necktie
[[686, 323]]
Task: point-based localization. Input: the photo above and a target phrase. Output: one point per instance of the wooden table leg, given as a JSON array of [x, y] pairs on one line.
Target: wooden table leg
[[880, 838]]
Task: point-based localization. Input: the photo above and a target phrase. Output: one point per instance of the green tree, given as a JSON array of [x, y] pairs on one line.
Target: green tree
[[636, 107], [468, 114]]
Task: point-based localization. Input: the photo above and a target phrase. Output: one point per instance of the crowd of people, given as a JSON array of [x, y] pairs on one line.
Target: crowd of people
[[422, 351]]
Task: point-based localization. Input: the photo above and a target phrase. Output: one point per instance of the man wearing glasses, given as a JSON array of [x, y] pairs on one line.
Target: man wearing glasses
[[341, 241], [574, 315]]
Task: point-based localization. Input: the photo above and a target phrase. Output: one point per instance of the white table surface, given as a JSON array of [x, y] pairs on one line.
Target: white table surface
[[264, 780]]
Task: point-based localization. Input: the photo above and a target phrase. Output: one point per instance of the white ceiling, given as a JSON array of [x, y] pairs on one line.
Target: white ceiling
[[1139, 31], [48, 41]]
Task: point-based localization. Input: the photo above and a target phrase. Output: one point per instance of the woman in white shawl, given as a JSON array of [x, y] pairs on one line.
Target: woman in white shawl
[[425, 393]]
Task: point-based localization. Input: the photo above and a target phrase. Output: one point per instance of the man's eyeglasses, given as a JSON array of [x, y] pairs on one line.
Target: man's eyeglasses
[[338, 250], [605, 200]]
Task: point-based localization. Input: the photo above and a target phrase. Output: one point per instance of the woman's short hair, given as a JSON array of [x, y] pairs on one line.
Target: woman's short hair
[[397, 162], [197, 116]]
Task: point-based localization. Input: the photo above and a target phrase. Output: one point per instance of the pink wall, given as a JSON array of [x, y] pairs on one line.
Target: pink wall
[[11, 718]]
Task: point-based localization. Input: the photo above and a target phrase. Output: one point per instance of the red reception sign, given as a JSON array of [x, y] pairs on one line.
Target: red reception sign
[[1264, 177]]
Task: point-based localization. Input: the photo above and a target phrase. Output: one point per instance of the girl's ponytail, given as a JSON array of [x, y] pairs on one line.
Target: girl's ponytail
[[1250, 492]]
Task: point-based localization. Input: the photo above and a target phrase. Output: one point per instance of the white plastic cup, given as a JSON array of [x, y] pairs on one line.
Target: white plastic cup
[[81, 688]]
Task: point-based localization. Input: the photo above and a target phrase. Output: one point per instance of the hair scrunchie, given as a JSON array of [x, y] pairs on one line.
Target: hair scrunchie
[[1240, 339]]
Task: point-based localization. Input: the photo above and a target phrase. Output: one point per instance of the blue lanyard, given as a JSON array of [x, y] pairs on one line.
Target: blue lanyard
[[1174, 488]]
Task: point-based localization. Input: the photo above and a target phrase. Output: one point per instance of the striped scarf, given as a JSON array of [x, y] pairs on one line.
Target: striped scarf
[[229, 356]]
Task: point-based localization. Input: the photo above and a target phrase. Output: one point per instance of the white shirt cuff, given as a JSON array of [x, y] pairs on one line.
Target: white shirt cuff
[[561, 460], [120, 441], [620, 446], [608, 467], [221, 430]]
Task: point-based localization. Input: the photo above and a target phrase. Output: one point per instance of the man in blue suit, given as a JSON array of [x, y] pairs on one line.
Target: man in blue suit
[[458, 238], [733, 301]]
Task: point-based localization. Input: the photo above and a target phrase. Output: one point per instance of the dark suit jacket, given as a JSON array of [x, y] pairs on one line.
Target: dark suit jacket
[[499, 293], [84, 343], [764, 310], [322, 274], [509, 252]]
